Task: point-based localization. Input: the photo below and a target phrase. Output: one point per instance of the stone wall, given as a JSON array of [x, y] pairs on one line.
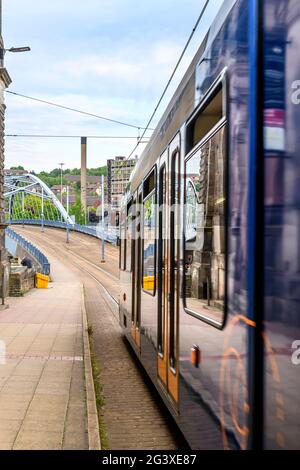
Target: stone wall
[[21, 281]]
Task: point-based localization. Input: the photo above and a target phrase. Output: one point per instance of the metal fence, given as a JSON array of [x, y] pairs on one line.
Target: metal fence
[[93, 231], [30, 248]]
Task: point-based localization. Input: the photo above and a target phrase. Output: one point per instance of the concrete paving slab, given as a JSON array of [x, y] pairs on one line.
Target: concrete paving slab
[[38, 440], [42, 332]]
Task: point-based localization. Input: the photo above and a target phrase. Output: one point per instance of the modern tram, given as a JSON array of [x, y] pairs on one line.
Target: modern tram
[[210, 237]]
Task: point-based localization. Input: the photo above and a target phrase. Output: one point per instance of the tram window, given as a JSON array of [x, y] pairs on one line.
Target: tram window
[[149, 235], [205, 229], [122, 243], [149, 184], [174, 255], [129, 219], [207, 118], [161, 258]]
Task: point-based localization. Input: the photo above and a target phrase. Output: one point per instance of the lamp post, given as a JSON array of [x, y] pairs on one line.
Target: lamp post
[[102, 197], [13, 50], [23, 208], [43, 217], [68, 238], [61, 183]]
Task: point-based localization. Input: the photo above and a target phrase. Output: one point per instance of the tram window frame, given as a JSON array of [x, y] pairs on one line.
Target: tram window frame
[[162, 181], [123, 240], [128, 269], [174, 296], [147, 193], [220, 86]]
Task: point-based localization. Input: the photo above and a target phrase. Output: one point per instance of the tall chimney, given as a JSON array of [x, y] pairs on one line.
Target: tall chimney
[[83, 174]]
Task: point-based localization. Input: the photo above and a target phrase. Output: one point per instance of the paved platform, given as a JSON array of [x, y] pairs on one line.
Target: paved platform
[[42, 389]]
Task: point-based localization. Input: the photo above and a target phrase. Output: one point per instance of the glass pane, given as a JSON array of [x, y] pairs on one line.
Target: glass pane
[[129, 239], [174, 254], [205, 229], [149, 245], [161, 258], [122, 242]]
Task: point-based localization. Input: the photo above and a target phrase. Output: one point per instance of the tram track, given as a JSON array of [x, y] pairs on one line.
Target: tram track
[[40, 238]]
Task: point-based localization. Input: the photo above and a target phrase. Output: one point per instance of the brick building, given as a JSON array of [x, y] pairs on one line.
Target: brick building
[[15, 172], [5, 81], [93, 187]]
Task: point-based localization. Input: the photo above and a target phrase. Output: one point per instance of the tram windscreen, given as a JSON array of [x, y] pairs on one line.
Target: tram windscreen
[[205, 229]]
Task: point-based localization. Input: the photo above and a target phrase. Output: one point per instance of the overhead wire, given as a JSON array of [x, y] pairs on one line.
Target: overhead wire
[[51, 136], [171, 77], [75, 110]]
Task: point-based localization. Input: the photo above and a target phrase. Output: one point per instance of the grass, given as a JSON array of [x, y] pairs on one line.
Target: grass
[[100, 401]]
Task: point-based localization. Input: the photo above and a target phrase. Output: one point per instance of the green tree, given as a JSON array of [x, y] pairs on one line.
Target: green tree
[[17, 167], [78, 211]]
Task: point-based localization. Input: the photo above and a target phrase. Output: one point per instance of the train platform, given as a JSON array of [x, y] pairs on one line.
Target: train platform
[[43, 402]]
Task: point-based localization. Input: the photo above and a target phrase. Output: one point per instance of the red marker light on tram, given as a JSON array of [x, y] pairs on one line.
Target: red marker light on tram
[[196, 355]]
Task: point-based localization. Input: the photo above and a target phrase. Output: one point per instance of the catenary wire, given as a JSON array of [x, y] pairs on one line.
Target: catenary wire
[[171, 77], [50, 103], [72, 136]]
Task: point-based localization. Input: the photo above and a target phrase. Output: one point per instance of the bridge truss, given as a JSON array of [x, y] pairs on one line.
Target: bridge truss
[[27, 198]]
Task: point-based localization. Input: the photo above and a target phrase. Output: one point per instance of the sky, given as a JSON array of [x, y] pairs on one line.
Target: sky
[[108, 57]]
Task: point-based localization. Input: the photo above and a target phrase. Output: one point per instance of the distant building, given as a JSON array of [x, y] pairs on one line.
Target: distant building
[[89, 179], [56, 189], [14, 172], [118, 175], [93, 188]]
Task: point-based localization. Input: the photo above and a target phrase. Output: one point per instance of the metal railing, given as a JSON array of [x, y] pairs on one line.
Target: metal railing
[[31, 249], [93, 231]]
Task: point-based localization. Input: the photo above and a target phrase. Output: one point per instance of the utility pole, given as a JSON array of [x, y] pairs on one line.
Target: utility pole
[[83, 174], [9, 210], [68, 238], [42, 209], [23, 208], [102, 197], [61, 184], [61, 180]]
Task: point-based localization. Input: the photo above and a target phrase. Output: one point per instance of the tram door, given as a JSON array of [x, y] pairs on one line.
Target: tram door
[[136, 270], [168, 275]]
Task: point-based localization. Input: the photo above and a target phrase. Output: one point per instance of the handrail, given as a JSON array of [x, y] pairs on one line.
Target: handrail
[[93, 231], [30, 248]]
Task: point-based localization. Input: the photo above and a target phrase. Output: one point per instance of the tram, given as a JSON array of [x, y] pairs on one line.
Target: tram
[[210, 237]]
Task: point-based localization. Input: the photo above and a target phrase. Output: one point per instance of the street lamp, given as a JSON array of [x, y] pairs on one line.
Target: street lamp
[[14, 50], [61, 178], [18, 49]]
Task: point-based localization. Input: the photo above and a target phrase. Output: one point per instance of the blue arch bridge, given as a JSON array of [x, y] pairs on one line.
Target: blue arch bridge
[[29, 201]]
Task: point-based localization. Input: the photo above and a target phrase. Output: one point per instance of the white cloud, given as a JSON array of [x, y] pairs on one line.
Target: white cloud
[[109, 57]]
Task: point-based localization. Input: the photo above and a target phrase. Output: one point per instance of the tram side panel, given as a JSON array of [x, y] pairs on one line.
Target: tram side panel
[[214, 406], [282, 227], [213, 409]]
